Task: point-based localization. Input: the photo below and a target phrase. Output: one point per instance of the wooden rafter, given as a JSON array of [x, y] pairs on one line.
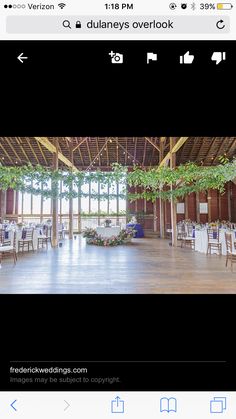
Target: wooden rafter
[[232, 147], [129, 154], [23, 151], [210, 149], [90, 157], [97, 155], [5, 152], [176, 147], [152, 143], [13, 149], [219, 152], [193, 150], [135, 149], [32, 151], [80, 143], [51, 147], [144, 152], [107, 150], [42, 153], [200, 150]]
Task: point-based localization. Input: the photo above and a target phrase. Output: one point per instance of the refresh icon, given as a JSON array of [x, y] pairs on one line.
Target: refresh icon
[[220, 24]]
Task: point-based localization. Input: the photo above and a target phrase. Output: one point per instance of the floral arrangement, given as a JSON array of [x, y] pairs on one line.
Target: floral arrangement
[[123, 237], [89, 233]]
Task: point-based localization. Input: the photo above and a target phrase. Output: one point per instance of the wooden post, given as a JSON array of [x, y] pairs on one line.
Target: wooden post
[[186, 213], [136, 201], [155, 216], [71, 199], [99, 204], [197, 207], [79, 211], [117, 204], [173, 204], [229, 202], [14, 204], [161, 202], [219, 201], [41, 205], [55, 200], [209, 206], [3, 204]]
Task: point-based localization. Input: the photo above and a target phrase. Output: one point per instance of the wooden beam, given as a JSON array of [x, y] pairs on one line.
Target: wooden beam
[[186, 211], [41, 150], [198, 207], [24, 152], [13, 149], [3, 208], [97, 155], [49, 146], [231, 148], [174, 150], [209, 205], [229, 201], [152, 143], [32, 151], [99, 152], [144, 152], [210, 149], [80, 143], [123, 148], [90, 157], [5, 152], [219, 152]]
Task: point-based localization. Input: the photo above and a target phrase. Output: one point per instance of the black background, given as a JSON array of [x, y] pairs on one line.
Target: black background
[[71, 89]]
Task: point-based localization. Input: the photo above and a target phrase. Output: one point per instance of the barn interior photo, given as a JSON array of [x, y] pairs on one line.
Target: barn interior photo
[[114, 215]]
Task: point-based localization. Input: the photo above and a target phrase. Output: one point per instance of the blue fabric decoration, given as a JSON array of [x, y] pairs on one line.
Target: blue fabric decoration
[[139, 230]]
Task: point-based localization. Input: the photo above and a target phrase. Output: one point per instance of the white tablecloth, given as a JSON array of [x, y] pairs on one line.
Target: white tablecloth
[[201, 241], [108, 231]]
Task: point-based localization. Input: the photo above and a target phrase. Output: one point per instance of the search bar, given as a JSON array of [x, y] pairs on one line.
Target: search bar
[[122, 24]]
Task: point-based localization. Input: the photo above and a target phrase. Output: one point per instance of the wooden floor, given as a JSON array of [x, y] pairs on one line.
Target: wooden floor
[[145, 266]]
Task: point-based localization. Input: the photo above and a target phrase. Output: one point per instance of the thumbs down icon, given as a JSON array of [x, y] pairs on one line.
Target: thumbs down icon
[[186, 58], [218, 57]]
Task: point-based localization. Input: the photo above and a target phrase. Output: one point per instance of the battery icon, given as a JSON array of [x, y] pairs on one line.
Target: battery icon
[[224, 6]]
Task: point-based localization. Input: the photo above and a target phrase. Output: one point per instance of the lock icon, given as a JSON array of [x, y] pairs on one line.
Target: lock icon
[[78, 24]]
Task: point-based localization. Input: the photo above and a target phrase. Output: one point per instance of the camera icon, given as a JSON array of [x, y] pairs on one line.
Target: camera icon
[[184, 5], [116, 57]]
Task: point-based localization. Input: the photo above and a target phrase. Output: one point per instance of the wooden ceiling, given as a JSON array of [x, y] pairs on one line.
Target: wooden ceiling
[[95, 152]]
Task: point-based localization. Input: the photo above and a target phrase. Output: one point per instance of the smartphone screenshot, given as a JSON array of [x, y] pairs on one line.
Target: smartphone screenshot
[[117, 209]]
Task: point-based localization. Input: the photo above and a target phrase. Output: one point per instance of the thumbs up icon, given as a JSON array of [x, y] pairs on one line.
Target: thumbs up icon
[[186, 58]]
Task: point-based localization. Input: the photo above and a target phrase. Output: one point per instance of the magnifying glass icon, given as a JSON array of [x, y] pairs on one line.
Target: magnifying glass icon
[[66, 24]]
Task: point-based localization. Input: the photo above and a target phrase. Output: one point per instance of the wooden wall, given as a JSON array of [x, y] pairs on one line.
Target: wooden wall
[[217, 208]]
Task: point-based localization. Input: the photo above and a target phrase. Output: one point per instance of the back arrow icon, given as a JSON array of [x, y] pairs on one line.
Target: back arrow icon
[[67, 405], [21, 58], [12, 405]]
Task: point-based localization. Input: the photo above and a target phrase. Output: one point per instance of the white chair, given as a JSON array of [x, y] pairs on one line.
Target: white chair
[[7, 250], [213, 235], [188, 239], [27, 239], [230, 250]]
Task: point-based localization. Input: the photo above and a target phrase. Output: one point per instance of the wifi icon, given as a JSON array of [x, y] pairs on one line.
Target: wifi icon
[[61, 5]]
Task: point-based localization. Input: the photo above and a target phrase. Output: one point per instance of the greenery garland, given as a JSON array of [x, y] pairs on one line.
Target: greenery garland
[[152, 183]]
